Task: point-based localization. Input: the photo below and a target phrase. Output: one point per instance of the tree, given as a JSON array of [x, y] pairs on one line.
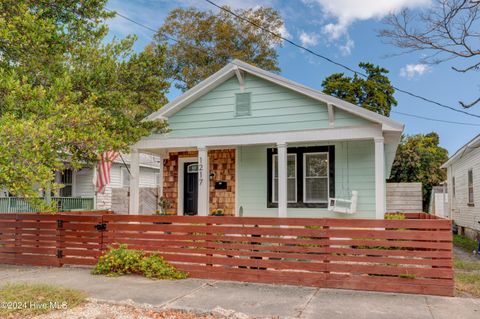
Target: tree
[[221, 38], [375, 93], [418, 159], [448, 30], [65, 97]]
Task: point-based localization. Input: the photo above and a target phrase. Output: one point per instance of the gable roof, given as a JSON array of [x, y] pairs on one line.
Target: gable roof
[[465, 149], [236, 65]]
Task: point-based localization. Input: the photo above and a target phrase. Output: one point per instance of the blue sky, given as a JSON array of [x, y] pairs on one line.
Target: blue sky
[[345, 30]]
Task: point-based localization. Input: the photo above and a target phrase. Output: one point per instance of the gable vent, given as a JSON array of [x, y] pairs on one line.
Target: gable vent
[[243, 104]]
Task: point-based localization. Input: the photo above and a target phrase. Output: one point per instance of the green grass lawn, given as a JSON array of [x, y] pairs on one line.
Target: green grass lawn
[[26, 300], [467, 272], [466, 243]]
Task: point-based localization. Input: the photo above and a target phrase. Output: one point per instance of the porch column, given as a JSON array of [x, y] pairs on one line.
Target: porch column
[[203, 182], [379, 178], [282, 179], [160, 176], [134, 182]]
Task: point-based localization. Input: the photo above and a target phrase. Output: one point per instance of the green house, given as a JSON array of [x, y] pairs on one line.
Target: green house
[[247, 142]]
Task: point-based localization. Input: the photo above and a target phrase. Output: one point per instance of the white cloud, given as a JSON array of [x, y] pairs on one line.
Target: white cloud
[[347, 12], [410, 71], [284, 32], [347, 47], [308, 39]]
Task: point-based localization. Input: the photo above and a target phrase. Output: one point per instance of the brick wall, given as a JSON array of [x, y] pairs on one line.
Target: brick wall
[[221, 163]]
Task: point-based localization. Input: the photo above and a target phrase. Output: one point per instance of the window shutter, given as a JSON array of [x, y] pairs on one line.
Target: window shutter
[[243, 104]]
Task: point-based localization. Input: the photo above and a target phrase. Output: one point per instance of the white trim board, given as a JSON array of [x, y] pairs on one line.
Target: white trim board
[[233, 68], [180, 181], [364, 132]]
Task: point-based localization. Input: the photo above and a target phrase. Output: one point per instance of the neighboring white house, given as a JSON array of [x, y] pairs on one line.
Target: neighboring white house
[[463, 173], [80, 193]]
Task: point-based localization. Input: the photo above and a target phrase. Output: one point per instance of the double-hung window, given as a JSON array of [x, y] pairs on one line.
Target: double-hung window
[[310, 176], [291, 178], [315, 177], [470, 187]]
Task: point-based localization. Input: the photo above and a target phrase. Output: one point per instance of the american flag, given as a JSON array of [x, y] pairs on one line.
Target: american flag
[[104, 166]]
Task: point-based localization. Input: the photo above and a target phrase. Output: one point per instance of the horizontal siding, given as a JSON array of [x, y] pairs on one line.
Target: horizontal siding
[[358, 175], [274, 108], [84, 179], [462, 214], [84, 183]]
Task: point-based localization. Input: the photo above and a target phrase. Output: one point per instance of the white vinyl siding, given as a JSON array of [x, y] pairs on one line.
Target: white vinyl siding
[[315, 177], [464, 212], [291, 178]]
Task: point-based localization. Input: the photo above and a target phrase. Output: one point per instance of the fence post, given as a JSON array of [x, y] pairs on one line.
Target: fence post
[[326, 260], [60, 245]]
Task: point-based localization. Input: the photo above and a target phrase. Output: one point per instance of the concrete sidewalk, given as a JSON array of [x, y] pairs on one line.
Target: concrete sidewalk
[[256, 300]]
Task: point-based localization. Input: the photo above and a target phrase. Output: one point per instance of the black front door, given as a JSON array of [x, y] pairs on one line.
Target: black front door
[[190, 188]]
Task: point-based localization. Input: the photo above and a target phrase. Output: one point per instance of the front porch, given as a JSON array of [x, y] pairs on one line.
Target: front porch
[[254, 176]]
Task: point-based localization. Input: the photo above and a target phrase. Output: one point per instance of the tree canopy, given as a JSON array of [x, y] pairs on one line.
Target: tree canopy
[[418, 159], [375, 93], [221, 38], [65, 96]]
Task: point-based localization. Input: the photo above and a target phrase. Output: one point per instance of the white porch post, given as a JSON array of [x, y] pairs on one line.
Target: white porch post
[[134, 182], [379, 178], [160, 178], [282, 179], [203, 182]]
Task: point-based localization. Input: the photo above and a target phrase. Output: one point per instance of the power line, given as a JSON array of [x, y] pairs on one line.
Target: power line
[[335, 62], [435, 120]]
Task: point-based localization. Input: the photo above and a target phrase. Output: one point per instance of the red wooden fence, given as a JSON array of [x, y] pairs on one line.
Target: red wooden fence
[[409, 256]]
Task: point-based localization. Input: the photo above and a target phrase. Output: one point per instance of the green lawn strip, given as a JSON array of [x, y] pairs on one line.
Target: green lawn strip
[[466, 243], [34, 299]]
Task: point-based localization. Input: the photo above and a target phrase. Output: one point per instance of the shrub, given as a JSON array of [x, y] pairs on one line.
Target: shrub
[[120, 261], [154, 266], [395, 216]]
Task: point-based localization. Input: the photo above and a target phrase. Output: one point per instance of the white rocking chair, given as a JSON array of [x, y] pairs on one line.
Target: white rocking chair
[[344, 206]]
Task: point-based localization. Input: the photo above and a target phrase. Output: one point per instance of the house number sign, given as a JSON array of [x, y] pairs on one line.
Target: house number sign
[[200, 170]]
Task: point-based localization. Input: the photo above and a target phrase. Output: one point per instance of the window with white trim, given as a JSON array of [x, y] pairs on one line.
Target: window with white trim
[[470, 187], [315, 177], [291, 178]]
